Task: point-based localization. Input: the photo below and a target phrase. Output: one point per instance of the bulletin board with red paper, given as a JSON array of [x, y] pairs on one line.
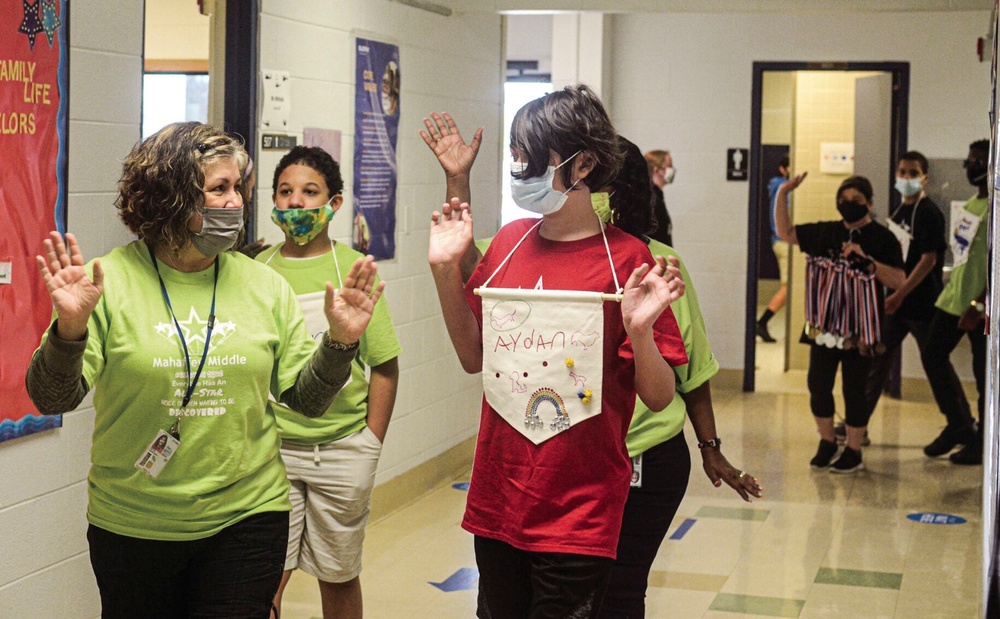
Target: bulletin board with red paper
[[34, 112]]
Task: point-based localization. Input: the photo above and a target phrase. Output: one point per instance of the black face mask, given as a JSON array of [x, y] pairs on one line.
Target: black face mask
[[852, 212], [976, 174]]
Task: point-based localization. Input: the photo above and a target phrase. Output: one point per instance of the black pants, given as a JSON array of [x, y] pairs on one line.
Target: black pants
[[894, 332], [234, 573], [942, 338], [822, 373], [649, 511], [519, 584]]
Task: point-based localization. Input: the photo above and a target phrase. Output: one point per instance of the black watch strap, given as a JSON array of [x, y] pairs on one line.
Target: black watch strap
[[714, 443]]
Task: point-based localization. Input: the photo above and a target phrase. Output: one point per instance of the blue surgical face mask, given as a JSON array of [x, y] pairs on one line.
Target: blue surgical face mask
[[909, 187], [536, 194]]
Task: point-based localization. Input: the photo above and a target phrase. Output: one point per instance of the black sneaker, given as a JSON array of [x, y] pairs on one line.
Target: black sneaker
[[824, 454], [763, 333], [972, 453], [948, 440], [848, 462], [840, 431]]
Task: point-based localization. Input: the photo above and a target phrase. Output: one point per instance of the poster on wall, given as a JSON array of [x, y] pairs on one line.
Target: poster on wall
[[376, 127], [327, 139], [34, 106]]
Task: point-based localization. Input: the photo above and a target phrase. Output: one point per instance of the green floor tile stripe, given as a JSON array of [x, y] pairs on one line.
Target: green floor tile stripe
[[757, 605], [859, 578], [734, 513]]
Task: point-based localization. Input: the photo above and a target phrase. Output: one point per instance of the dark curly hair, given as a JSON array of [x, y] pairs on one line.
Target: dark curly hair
[[317, 159], [632, 193], [567, 121], [163, 178]]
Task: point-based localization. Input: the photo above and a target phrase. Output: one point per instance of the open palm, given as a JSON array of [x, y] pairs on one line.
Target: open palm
[[350, 309], [451, 234], [648, 292], [74, 295], [443, 138]]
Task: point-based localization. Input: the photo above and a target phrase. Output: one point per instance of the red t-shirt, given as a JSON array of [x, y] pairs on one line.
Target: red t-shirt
[[566, 494]]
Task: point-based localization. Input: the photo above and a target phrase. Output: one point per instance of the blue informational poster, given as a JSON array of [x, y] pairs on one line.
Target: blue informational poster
[[376, 129]]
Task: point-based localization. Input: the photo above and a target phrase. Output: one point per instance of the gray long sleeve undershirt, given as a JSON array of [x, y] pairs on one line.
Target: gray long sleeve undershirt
[[56, 385]]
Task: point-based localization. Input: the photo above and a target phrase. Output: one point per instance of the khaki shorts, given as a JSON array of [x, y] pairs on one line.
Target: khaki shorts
[[331, 501], [781, 253]]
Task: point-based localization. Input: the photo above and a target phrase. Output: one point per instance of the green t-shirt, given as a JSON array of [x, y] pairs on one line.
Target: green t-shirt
[[228, 465], [651, 428], [968, 281], [349, 411]]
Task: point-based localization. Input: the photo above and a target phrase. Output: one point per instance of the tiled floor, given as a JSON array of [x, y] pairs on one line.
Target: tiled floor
[[818, 545]]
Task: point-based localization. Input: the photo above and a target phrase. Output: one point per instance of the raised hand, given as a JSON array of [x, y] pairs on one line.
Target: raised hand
[[443, 138], [349, 309], [649, 291], [74, 295], [793, 183], [451, 234]]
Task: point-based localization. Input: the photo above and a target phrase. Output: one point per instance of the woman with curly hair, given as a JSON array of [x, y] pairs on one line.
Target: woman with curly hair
[[183, 341]]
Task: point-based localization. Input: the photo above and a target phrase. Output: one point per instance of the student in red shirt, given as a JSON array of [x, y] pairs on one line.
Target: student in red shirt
[[551, 470]]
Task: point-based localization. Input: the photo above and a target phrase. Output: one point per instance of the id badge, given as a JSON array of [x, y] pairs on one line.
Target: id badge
[[637, 471], [158, 454]]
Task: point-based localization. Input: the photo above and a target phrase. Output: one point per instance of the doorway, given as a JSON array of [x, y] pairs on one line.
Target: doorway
[[833, 120], [193, 71]]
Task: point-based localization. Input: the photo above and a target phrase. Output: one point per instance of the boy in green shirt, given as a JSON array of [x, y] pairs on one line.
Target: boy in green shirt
[[330, 460]]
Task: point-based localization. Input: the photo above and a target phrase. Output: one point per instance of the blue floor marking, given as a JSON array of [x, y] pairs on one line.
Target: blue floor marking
[[464, 579], [681, 530]]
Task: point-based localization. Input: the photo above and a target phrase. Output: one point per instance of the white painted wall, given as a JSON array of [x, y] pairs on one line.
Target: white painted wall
[[45, 567], [529, 37], [682, 81], [446, 64]]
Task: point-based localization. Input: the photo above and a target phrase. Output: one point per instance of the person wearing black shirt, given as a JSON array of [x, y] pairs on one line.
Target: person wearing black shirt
[[918, 224], [869, 246]]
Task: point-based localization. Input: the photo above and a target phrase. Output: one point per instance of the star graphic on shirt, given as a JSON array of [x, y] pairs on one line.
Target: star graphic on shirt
[[30, 25], [166, 329], [196, 330], [50, 20]]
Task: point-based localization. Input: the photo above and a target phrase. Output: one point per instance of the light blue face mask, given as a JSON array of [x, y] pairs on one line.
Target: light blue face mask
[[909, 187], [536, 194]]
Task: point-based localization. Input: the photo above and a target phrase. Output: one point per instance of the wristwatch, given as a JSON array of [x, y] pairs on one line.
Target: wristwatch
[[978, 305], [714, 443]]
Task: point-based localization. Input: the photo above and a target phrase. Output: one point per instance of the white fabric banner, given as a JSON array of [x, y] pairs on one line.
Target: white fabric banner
[[543, 357]]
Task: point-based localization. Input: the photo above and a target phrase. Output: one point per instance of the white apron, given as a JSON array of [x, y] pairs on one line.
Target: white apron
[[313, 304], [543, 354], [903, 235]]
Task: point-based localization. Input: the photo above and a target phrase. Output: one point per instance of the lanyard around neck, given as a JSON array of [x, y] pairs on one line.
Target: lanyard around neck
[[192, 383]]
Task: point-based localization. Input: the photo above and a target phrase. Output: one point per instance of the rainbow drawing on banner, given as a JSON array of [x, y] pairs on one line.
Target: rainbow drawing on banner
[[539, 397]]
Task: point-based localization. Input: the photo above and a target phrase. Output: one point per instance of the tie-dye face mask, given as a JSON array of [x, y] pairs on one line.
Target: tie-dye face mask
[[303, 224]]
